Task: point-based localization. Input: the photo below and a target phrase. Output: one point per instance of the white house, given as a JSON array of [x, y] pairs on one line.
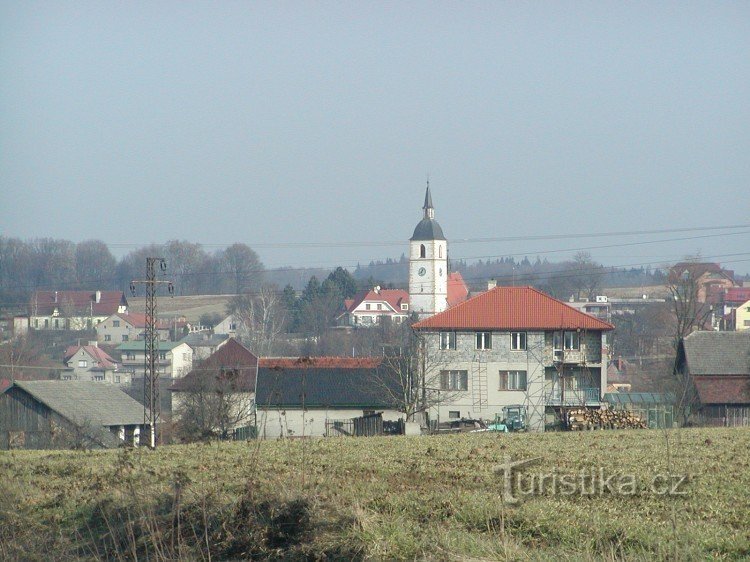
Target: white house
[[175, 358], [368, 308], [73, 310], [309, 396], [90, 363]]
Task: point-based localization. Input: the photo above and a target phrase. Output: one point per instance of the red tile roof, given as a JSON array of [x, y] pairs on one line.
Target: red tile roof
[[457, 289], [504, 308], [320, 362], [394, 297], [723, 389], [43, 303], [737, 295], [95, 352]]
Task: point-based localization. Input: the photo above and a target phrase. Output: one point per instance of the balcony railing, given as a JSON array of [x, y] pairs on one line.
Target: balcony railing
[[569, 355], [574, 397]]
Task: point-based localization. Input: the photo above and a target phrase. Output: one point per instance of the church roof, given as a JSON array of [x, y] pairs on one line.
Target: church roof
[[428, 229]]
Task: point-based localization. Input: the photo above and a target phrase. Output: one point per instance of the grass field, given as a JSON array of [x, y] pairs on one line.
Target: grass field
[[383, 498], [191, 307]]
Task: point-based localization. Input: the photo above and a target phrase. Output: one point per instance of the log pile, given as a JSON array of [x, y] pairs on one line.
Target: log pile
[[586, 418]]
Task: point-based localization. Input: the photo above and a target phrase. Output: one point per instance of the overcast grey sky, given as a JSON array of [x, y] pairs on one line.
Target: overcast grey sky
[[289, 123]]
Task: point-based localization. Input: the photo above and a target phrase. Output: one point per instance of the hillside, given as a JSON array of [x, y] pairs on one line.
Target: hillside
[[384, 498]]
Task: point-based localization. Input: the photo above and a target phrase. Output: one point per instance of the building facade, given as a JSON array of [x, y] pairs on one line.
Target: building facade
[[512, 346]]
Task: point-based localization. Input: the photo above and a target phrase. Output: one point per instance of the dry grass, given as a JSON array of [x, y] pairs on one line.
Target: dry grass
[[192, 307], [379, 498]]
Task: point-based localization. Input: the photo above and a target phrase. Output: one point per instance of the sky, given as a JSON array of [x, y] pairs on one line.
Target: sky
[[308, 130]]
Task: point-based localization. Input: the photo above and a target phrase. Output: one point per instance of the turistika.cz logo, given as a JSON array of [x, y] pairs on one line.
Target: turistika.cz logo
[[592, 481]]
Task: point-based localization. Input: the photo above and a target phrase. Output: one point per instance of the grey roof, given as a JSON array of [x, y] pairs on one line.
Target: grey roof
[[98, 403], [427, 198], [200, 339], [428, 229], [717, 353], [325, 388]]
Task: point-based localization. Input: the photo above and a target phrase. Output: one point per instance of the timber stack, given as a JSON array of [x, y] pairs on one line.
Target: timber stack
[[586, 418]]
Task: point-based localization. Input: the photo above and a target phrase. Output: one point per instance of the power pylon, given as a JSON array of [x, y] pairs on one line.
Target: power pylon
[[151, 394]]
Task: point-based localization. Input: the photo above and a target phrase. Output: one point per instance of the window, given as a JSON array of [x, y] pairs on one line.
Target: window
[[512, 380], [36, 322], [83, 363], [130, 355], [367, 307], [162, 355], [117, 378], [422, 251], [440, 251], [404, 307], [98, 377], [484, 340], [747, 322], [518, 341], [454, 415], [571, 340], [185, 357], [447, 340], [124, 337], [57, 323], [454, 380], [380, 306], [115, 323], [107, 337]]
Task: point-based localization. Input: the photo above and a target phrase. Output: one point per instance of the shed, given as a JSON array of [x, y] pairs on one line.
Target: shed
[[65, 414]]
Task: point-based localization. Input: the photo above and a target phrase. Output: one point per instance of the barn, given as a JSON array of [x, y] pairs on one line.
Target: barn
[[68, 414]]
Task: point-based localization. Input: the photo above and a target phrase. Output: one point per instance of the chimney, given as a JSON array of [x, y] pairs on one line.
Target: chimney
[[94, 343], [98, 296], [491, 284]]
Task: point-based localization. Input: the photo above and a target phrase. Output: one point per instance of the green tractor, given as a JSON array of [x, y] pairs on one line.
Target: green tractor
[[513, 418]]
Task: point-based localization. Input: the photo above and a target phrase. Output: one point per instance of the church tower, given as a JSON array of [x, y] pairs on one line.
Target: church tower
[[428, 264]]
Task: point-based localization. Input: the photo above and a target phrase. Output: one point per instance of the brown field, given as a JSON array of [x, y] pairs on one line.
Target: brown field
[[383, 498], [192, 307]]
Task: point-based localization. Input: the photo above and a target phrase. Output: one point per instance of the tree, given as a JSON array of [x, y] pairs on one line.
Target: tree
[[184, 262], [344, 282], [261, 318], [244, 267], [95, 265], [684, 287], [212, 404]]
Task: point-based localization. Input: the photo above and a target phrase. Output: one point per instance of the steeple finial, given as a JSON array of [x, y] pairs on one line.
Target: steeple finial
[[429, 210]]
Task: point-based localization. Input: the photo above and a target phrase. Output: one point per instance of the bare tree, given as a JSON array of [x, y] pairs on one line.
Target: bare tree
[[212, 404], [260, 317], [95, 265], [244, 266], [690, 312]]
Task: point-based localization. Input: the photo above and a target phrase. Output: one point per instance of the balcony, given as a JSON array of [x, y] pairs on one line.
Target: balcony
[[571, 356], [574, 397]]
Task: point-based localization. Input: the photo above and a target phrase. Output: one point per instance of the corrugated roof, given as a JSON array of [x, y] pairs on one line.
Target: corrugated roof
[[717, 353], [97, 403], [508, 308], [723, 390]]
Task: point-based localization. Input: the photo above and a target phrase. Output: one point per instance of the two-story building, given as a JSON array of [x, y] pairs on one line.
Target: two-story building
[[368, 308], [512, 346], [90, 363], [131, 326], [175, 359], [73, 310]]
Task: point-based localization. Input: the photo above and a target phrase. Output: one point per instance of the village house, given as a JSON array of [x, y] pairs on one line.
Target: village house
[[204, 344], [716, 366], [130, 326], [175, 358], [228, 326], [73, 310], [709, 278], [90, 363], [512, 346], [65, 414], [368, 308], [313, 396], [229, 375]]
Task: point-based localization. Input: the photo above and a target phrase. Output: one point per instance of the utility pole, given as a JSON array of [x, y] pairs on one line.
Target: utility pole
[[151, 398]]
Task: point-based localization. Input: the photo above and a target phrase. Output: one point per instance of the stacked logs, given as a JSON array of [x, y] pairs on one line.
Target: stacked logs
[[585, 418]]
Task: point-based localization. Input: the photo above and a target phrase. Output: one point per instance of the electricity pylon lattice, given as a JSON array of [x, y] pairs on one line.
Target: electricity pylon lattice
[[151, 394]]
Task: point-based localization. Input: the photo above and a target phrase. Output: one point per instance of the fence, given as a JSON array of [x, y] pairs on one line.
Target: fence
[[364, 426]]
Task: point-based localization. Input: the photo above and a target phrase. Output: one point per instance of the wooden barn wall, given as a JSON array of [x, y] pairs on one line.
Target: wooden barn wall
[[26, 423]]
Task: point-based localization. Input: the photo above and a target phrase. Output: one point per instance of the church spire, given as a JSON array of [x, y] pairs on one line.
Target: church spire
[[429, 210]]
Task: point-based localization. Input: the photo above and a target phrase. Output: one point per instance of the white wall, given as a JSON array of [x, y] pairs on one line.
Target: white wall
[[275, 423]]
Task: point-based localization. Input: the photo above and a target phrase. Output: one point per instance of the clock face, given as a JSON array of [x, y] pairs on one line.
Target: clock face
[[421, 271]]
